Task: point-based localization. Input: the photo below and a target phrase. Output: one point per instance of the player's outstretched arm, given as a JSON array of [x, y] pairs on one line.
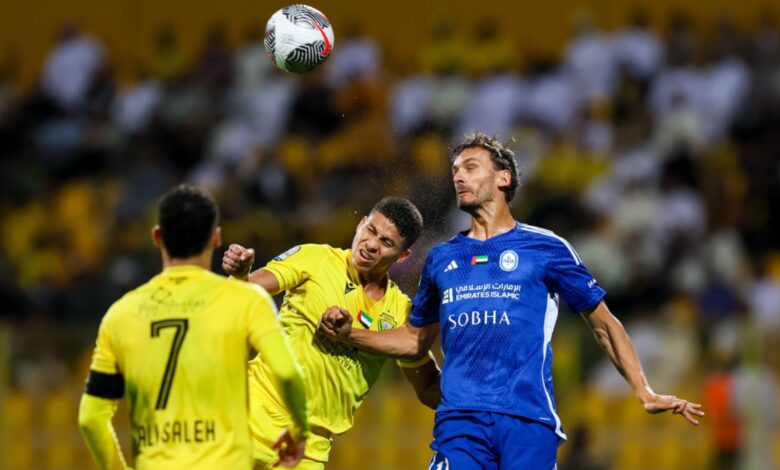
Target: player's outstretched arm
[[237, 262], [407, 342], [95, 415], [612, 337]]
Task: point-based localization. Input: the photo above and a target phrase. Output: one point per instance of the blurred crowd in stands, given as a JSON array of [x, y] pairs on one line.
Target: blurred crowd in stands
[[655, 151]]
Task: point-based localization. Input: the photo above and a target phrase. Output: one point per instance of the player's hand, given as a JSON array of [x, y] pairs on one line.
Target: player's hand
[[336, 324], [660, 403], [290, 450], [237, 261]]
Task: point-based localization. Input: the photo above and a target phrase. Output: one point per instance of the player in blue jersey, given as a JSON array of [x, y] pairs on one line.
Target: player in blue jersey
[[493, 293]]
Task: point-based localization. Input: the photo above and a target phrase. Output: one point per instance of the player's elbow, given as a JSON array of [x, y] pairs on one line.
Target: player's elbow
[[94, 413], [409, 351], [415, 347], [88, 422]]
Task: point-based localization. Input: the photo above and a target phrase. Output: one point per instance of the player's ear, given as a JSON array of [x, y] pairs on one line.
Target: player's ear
[[157, 236], [404, 255], [503, 178], [216, 237]]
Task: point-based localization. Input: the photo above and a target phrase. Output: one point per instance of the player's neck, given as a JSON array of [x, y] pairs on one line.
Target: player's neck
[[491, 220], [374, 284], [202, 260]]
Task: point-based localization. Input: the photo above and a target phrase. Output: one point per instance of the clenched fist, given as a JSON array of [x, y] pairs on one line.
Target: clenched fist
[[237, 261]]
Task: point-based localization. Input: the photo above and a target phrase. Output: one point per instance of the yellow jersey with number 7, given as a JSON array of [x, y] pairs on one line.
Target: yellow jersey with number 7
[[181, 343]]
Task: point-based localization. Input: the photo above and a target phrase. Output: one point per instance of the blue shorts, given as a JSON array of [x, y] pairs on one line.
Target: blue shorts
[[481, 440]]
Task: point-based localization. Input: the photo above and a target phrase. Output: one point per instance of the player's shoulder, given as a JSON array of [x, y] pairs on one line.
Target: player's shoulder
[[324, 249], [396, 292], [401, 303], [532, 232], [549, 241], [128, 303], [442, 248], [440, 253], [309, 251]]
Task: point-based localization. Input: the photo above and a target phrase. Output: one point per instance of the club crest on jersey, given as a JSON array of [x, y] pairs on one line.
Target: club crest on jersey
[[288, 253], [349, 287], [508, 260], [386, 322]]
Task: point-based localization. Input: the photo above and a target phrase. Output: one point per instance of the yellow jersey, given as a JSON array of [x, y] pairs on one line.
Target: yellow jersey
[[336, 377], [181, 342]]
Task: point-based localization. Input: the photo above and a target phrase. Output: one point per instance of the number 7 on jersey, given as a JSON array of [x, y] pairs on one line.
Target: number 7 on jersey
[[181, 325]]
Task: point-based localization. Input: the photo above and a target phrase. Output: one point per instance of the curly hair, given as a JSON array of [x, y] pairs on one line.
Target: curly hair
[[502, 158]]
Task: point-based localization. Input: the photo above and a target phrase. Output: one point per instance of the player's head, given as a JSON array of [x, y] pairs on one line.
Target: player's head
[[187, 225], [384, 236], [483, 170]]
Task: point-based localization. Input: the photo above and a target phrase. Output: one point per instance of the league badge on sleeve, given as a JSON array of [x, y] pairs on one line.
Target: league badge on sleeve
[[288, 253]]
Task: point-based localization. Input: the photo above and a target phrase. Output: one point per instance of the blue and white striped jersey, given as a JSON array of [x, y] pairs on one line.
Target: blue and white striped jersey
[[497, 302]]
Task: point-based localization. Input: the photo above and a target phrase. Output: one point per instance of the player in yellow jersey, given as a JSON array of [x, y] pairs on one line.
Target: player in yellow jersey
[[318, 277], [177, 348]]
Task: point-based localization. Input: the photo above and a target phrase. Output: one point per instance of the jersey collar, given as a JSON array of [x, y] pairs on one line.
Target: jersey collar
[[354, 276], [352, 273], [463, 236], [183, 270]]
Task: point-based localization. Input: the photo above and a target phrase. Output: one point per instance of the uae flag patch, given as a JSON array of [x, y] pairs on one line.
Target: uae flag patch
[[365, 319], [481, 259]]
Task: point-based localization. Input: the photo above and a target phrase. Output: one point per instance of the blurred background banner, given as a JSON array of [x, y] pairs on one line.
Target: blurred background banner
[[648, 134]]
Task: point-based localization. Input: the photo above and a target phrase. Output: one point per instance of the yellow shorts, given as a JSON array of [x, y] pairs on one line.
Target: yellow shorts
[[267, 421]]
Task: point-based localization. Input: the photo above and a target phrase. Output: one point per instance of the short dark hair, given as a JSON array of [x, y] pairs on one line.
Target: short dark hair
[[187, 216], [502, 158], [404, 215]]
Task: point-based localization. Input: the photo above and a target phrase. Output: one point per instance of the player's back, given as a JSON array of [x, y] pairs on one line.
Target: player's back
[[181, 343]]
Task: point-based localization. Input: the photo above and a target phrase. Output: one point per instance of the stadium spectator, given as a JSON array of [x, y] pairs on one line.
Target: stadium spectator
[[71, 68]]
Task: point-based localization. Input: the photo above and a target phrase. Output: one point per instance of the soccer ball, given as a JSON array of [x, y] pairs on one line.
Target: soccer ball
[[298, 38]]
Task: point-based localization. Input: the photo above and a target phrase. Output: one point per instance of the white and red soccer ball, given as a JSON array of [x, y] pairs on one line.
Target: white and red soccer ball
[[298, 38]]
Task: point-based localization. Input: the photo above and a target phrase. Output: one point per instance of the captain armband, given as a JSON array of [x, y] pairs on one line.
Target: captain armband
[[417, 363], [102, 385]]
